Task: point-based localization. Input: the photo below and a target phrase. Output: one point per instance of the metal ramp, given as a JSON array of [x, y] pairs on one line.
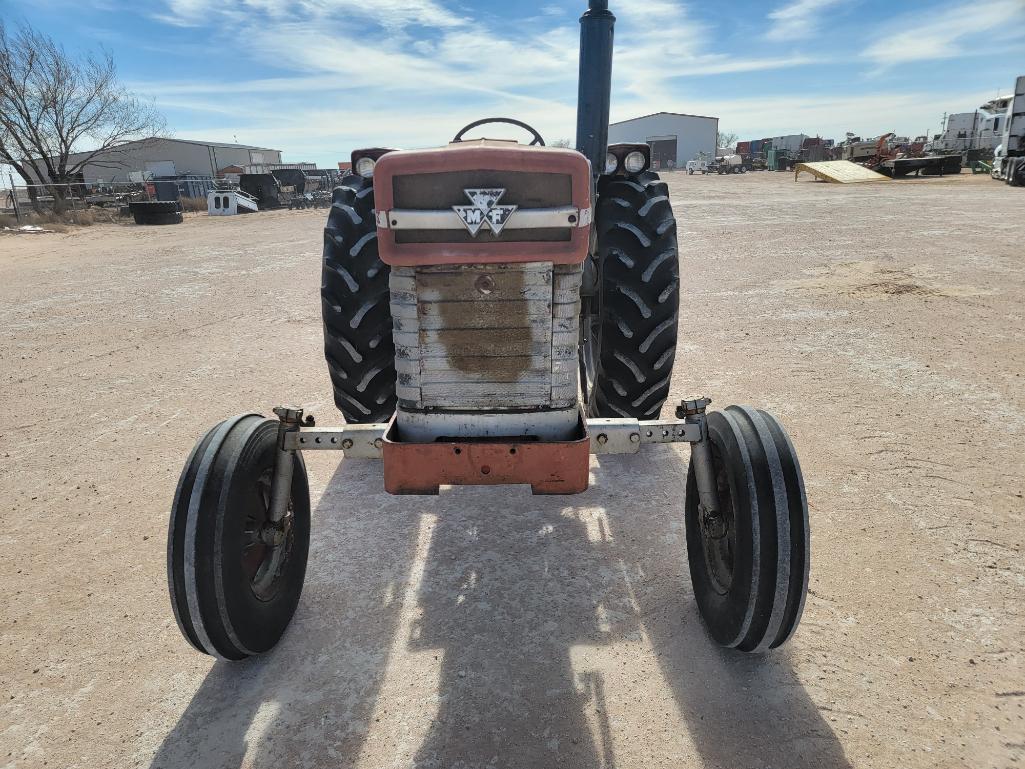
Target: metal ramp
[[840, 171], [245, 201]]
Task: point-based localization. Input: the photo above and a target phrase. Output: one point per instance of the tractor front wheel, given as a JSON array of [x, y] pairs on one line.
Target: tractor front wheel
[[234, 575], [629, 320], [749, 564]]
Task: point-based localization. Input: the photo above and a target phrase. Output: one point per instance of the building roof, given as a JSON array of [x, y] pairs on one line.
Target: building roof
[[228, 145], [654, 114]]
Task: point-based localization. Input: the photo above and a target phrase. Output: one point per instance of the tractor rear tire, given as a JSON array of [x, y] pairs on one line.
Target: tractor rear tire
[[629, 326], [355, 307], [751, 577]]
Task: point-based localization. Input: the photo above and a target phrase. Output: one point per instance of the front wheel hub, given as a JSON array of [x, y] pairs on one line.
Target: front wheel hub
[[713, 524], [272, 535]]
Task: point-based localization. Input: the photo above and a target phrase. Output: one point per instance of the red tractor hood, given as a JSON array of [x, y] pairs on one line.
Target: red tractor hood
[[483, 201]]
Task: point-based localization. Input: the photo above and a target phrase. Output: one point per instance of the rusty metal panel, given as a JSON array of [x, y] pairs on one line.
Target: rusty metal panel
[[445, 188], [490, 338], [559, 467]]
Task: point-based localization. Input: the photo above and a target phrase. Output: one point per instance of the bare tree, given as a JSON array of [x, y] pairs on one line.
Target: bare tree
[[726, 139], [52, 105]]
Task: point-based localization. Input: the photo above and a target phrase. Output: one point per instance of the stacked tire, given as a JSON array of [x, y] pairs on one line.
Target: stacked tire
[[156, 212]]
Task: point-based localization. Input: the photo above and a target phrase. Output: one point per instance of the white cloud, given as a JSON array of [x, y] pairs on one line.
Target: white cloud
[[451, 54], [798, 20], [328, 133], [946, 33], [410, 72], [660, 41], [827, 114], [391, 14]]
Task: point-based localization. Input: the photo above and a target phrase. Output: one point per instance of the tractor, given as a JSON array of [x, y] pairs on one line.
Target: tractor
[[495, 312]]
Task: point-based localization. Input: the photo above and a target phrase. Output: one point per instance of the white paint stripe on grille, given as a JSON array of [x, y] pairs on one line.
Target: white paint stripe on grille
[[520, 219]]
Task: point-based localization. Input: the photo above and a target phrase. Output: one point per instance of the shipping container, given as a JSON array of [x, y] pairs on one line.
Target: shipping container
[[743, 148], [756, 146], [791, 142]]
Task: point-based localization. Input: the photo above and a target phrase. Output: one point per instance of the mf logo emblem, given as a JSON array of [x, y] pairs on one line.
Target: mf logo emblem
[[484, 211]]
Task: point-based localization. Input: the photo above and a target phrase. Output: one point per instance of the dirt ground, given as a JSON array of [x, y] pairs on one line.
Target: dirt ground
[[487, 628]]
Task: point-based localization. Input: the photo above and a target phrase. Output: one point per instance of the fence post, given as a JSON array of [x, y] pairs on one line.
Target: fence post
[[14, 198]]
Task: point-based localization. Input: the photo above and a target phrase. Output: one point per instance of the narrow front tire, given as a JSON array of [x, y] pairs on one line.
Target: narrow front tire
[[750, 574], [235, 576]]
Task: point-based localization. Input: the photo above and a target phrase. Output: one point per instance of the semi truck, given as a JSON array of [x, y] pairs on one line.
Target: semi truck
[[1009, 156]]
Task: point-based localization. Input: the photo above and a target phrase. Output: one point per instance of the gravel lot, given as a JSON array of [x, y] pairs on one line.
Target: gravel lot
[[487, 628]]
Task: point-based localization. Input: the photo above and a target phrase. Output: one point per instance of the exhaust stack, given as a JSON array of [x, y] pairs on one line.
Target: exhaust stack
[[595, 84]]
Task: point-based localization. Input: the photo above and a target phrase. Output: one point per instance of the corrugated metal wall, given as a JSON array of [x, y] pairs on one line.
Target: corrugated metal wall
[[693, 133], [187, 158]]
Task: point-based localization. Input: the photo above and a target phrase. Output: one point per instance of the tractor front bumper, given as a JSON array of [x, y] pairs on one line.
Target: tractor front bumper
[[548, 467]]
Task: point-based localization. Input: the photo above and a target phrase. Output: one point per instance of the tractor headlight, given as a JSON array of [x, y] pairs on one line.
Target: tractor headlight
[[634, 162], [611, 163], [365, 167]]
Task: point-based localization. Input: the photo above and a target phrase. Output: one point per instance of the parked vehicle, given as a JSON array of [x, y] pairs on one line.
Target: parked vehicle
[[700, 164], [1009, 158], [730, 164]]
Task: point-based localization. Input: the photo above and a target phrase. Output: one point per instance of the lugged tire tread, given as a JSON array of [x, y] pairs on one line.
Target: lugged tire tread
[[636, 237], [355, 307]]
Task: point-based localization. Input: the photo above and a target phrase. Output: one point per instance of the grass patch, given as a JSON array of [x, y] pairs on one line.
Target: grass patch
[[82, 217], [194, 204]]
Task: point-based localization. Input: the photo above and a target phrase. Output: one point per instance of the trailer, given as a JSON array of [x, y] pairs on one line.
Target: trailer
[[930, 165]]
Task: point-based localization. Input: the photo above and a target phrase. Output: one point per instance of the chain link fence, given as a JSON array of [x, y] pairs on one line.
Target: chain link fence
[[42, 200]]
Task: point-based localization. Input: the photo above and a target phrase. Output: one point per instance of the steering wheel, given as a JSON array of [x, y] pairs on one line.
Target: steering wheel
[[537, 137]]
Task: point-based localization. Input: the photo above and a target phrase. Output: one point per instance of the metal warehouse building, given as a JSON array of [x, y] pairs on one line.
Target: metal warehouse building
[[172, 157], [672, 136]]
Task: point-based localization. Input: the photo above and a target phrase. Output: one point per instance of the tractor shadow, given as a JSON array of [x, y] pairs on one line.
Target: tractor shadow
[[488, 627], [740, 710], [310, 700]]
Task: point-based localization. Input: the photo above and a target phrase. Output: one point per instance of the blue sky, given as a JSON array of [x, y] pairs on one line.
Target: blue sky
[[316, 78]]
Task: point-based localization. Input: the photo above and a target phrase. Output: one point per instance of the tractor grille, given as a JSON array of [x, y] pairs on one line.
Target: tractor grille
[[442, 190], [495, 337]]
